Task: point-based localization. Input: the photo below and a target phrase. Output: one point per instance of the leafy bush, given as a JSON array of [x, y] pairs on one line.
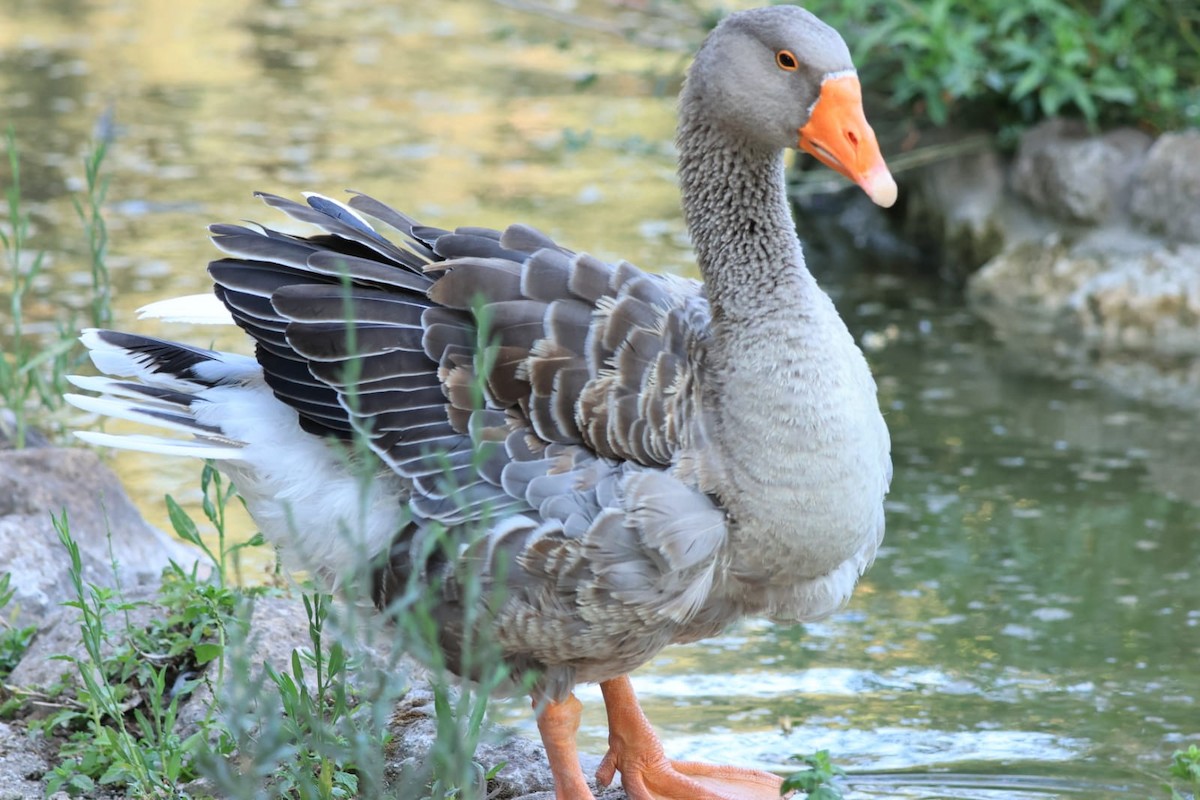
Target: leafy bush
[[1007, 65]]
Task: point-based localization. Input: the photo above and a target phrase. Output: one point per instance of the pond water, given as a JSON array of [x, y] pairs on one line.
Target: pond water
[[1032, 627]]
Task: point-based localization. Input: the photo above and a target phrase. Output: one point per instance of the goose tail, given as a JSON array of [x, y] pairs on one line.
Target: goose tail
[[165, 385]]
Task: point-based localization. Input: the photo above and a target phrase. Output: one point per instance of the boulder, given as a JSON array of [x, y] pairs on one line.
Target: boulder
[[1076, 177], [1114, 305], [36, 483], [958, 208], [1103, 292], [1166, 191], [40, 667]]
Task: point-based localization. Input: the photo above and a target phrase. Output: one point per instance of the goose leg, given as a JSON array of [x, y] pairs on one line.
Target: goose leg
[[635, 751], [558, 723]]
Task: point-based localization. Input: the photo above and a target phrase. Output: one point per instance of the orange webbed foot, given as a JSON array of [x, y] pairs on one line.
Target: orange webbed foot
[[634, 750]]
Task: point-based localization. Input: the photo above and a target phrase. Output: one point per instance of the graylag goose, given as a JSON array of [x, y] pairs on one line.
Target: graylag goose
[[650, 458]]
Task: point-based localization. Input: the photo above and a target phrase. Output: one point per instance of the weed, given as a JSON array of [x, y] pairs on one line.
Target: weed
[[817, 780], [1185, 774], [126, 705], [14, 641], [90, 213], [32, 369]]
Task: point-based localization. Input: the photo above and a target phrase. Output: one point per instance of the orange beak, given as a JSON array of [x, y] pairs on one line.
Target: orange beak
[[838, 135]]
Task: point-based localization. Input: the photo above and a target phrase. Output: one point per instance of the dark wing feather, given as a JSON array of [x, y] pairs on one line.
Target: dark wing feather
[[357, 333]]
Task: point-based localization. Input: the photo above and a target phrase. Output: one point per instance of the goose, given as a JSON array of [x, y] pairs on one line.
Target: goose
[[637, 459]]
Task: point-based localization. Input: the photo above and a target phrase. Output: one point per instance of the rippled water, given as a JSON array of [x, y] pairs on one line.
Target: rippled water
[[1032, 627]]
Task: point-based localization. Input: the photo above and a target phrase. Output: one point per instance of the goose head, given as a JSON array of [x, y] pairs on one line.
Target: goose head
[[779, 77]]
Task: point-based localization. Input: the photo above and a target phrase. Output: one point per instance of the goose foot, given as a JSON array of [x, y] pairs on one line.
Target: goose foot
[[635, 751]]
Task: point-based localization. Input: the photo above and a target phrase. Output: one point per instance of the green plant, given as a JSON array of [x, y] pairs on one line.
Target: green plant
[[1005, 65], [816, 781], [1185, 774], [33, 369], [121, 722], [216, 494], [90, 213], [313, 718], [14, 641], [125, 707]]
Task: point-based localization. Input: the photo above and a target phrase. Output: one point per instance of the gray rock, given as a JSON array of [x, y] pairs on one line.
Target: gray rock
[[1077, 177], [8, 432], [39, 668], [22, 763], [37, 483], [1119, 306], [1143, 298], [1166, 192], [959, 204]]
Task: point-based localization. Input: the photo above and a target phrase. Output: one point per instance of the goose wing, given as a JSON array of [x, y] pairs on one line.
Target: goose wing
[[462, 356]]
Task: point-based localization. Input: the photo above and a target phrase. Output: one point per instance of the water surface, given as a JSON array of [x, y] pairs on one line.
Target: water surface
[[1032, 626]]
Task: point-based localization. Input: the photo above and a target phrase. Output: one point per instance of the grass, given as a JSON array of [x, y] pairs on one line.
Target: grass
[[14, 639], [318, 729], [33, 368]]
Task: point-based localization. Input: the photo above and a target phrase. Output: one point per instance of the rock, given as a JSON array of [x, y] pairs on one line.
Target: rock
[[1166, 191], [526, 774], [1116, 305], [22, 763], [8, 432], [958, 208], [37, 483], [39, 669], [1133, 299], [1076, 177]]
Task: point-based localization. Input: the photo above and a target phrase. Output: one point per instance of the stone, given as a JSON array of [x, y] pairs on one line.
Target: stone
[[1166, 191], [1074, 176], [958, 206], [22, 763], [1119, 306], [36, 483], [8, 432], [1133, 299], [59, 635]]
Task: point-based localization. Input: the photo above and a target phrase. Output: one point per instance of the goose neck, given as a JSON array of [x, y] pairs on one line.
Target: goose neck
[[735, 204]]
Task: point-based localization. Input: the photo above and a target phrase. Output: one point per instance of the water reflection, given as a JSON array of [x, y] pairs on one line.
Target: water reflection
[[1033, 624]]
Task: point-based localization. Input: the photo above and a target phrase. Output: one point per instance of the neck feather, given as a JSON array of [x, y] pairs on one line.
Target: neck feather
[[735, 203]]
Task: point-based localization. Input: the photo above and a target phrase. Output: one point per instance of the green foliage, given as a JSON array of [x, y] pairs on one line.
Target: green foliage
[[1185, 774], [33, 368], [998, 64], [123, 719], [312, 718], [14, 641], [816, 781]]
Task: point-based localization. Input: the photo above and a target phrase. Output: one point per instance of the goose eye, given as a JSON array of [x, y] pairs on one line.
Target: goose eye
[[786, 60]]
